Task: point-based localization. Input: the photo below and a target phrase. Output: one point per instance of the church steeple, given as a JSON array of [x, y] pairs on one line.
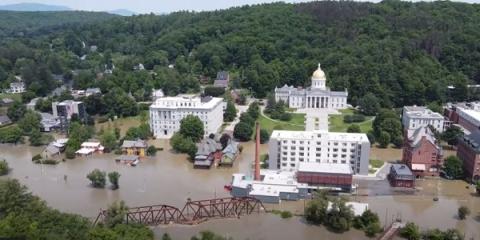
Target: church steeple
[[318, 79]]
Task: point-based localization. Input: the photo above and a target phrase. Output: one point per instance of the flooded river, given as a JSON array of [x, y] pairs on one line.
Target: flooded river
[[170, 179]]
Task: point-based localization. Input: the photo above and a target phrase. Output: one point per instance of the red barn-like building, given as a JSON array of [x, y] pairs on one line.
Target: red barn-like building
[[421, 152], [326, 174]]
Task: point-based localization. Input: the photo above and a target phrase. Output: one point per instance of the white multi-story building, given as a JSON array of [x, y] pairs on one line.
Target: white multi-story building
[[17, 87], [287, 149], [167, 112], [414, 117], [318, 96]]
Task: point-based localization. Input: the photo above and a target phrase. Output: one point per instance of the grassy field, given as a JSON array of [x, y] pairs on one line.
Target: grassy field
[[336, 123], [16, 97], [296, 123]]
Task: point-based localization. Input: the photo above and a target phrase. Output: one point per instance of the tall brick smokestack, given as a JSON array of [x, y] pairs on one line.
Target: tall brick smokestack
[[257, 150]]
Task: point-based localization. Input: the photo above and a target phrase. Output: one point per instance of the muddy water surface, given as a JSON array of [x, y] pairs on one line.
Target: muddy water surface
[[169, 178]]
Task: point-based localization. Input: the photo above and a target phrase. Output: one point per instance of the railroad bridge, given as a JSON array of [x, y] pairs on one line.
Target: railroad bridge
[[193, 212]]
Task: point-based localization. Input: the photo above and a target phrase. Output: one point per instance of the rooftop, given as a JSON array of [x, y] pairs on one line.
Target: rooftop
[[317, 134], [186, 102], [420, 112], [131, 144], [325, 168], [401, 169]]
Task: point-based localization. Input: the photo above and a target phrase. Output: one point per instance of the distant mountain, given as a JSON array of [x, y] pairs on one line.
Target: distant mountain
[[33, 7], [122, 12]]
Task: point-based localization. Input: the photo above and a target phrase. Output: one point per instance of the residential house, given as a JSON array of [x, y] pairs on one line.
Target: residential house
[[51, 151], [138, 147], [229, 153], [421, 152], [48, 122], [222, 79], [206, 153], [4, 120], [17, 87], [92, 91], [401, 176]]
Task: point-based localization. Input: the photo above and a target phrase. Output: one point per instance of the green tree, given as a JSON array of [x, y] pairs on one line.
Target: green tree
[[243, 131], [11, 135], [453, 167], [230, 112], [451, 135], [411, 231], [192, 127], [384, 139], [97, 178], [113, 177], [264, 136], [16, 111], [317, 209], [254, 110], [354, 128], [151, 150], [463, 212], [108, 140], [4, 169], [183, 144], [435, 107], [225, 139], [369, 104], [36, 137], [29, 122], [397, 141], [116, 214]]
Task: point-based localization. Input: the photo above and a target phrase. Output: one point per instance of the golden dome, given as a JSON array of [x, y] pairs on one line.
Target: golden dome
[[318, 74]]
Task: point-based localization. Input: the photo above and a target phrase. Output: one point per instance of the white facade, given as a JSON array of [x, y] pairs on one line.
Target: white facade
[[17, 87], [287, 149], [414, 117], [318, 96], [167, 112]]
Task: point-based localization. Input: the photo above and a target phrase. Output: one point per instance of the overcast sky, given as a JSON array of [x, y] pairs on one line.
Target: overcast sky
[[147, 6]]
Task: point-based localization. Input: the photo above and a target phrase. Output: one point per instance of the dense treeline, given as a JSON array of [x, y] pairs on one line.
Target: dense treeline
[[404, 53], [30, 23]]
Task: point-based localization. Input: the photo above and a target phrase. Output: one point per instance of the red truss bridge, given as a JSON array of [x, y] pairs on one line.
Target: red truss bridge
[[193, 212]]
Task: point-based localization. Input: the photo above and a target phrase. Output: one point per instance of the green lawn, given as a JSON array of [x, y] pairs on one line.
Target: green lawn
[[16, 97], [296, 123], [336, 123], [376, 163]]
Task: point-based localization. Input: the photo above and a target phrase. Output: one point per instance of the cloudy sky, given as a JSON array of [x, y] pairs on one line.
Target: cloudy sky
[[157, 6]]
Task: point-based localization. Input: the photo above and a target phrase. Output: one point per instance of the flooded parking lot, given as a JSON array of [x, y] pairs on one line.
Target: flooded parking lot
[[169, 178]]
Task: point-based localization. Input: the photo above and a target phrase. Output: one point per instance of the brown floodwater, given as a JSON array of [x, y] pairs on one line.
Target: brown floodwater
[[169, 178]]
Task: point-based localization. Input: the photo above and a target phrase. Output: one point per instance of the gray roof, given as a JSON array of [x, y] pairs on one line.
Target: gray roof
[[401, 169], [5, 119], [415, 136], [137, 144], [52, 150], [93, 90], [208, 146], [223, 75]]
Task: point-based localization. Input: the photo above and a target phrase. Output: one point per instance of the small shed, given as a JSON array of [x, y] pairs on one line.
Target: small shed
[[401, 176], [230, 154]]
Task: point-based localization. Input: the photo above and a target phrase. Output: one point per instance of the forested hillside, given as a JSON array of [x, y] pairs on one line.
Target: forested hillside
[[13, 23], [404, 53]]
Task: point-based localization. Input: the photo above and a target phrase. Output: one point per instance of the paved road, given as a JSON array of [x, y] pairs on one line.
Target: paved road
[[240, 109]]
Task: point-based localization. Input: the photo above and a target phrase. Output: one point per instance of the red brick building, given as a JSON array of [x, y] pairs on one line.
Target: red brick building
[[326, 174], [421, 152], [468, 149], [401, 176]]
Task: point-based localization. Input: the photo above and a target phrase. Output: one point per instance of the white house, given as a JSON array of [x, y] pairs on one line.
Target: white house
[[318, 96], [167, 112], [17, 87], [414, 117], [287, 149]]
